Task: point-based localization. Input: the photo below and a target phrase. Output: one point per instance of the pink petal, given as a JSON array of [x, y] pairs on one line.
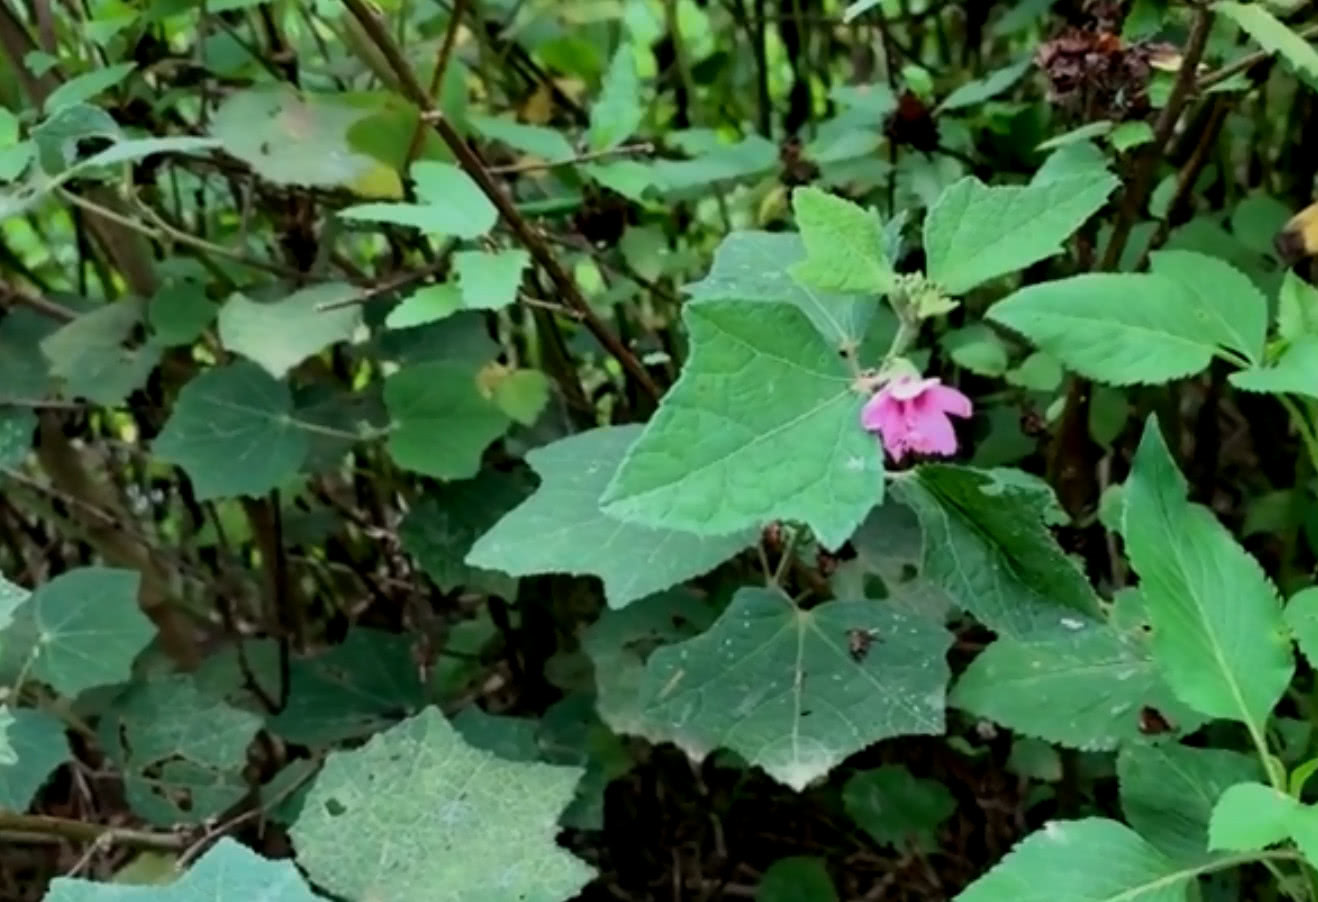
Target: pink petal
[[906, 388], [880, 413], [934, 435], [948, 400]]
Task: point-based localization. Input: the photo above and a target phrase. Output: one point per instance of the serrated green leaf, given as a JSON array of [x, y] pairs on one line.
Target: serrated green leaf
[[561, 528], [32, 744], [182, 752], [890, 544], [233, 432], [763, 424], [1251, 816], [1229, 310], [1090, 860], [483, 828], [1301, 617], [1297, 308], [781, 686], [546, 143], [281, 334], [843, 243], [618, 111], [975, 233], [291, 138], [1274, 36], [989, 86], [90, 356], [756, 266], [450, 203], [427, 304], [895, 808], [441, 529], [1130, 134], [441, 420], [1168, 792], [619, 643], [179, 313], [801, 878], [489, 280], [1294, 372], [986, 543], [1081, 685], [82, 629], [352, 690], [228, 871], [1218, 634]]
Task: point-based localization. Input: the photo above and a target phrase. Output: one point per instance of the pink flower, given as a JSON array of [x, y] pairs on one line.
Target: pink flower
[[911, 414]]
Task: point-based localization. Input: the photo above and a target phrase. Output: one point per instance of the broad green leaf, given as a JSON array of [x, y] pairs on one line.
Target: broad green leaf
[[1082, 159], [441, 419], [756, 266], [281, 334], [441, 529], [481, 829], [987, 545], [1218, 634], [1251, 816], [57, 137], [895, 808], [1274, 36], [179, 313], [618, 111], [782, 687], [1118, 328], [800, 878], [140, 148], [843, 244], [84, 87], [301, 139], [754, 155], [1081, 685], [32, 744], [1090, 860], [763, 424], [1168, 792], [228, 872], [1302, 618], [1294, 372], [232, 430], [16, 428], [511, 738], [571, 733], [1078, 135], [890, 544], [989, 86], [561, 528], [11, 596], [630, 178], [521, 394], [1229, 310], [24, 371], [90, 356], [975, 233], [1130, 134], [1297, 308], [489, 280], [182, 752], [357, 688], [620, 641], [1257, 219], [450, 203], [81, 629], [427, 304], [537, 140]]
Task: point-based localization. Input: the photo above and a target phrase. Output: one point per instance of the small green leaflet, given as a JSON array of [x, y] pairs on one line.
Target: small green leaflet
[[1251, 816], [489, 280], [1090, 860], [228, 872], [762, 425], [801, 878], [537, 140], [618, 111], [1081, 685], [281, 334], [84, 87], [1274, 36], [1297, 308], [182, 752], [32, 744], [232, 430], [90, 356], [843, 243], [441, 419], [896, 808], [1294, 372], [1168, 792], [1218, 634], [785, 689], [561, 528], [179, 312], [427, 304], [481, 829], [82, 629], [1130, 328], [974, 233], [450, 203], [985, 88], [756, 266], [987, 545], [1302, 618]]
